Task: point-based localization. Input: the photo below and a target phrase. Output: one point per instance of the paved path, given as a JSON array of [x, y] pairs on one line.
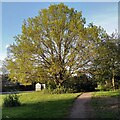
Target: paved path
[[81, 107]]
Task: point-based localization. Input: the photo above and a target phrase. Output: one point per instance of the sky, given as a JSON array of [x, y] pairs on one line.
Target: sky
[[13, 14]]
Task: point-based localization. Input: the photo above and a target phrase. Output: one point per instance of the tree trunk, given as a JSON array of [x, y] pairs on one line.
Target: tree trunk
[[113, 80]]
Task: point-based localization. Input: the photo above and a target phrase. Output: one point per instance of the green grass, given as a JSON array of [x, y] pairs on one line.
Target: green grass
[[106, 104], [39, 105]]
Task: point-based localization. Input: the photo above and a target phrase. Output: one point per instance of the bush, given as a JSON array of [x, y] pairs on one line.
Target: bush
[[58, 90], [12, 100], [72, 85], [78, 84], [105, 87]]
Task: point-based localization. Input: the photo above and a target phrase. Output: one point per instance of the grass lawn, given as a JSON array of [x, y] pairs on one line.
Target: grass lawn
[[39, 105], [106, 104]]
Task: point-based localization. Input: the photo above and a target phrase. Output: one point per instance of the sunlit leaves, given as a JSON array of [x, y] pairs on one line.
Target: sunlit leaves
[[54, 45]]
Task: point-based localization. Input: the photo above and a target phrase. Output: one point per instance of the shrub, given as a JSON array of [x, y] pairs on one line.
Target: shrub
[[105, 87], [78, 84], [58, 90], [47, 91], [12, 100], [72, 85]]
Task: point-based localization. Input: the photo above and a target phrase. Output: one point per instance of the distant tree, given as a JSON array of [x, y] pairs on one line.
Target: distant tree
[[54, 46], [108, 60]]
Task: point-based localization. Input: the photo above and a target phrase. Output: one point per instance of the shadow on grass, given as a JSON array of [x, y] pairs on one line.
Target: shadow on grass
[[47, 109], [59, 109], [107, 106]]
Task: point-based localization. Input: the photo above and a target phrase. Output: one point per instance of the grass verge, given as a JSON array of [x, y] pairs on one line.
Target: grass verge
[[39, 105]]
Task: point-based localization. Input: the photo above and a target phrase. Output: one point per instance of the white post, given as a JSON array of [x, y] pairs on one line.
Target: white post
[[38, 87], [44, 86]]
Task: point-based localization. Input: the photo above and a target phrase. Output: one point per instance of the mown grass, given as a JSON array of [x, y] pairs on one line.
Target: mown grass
[[39, 105], [106, 104]]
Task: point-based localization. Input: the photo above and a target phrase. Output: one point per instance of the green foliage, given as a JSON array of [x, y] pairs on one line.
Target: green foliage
[[58, 90], [51, 85], [105, 87], [107, 62], [80, 84], [49, 56], [12, 100], [72, 85]]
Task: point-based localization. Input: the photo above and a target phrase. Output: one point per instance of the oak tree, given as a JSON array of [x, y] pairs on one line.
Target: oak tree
[[54, 46]]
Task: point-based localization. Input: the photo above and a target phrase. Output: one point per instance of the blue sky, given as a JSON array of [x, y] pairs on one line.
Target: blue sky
[[104, 14]]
